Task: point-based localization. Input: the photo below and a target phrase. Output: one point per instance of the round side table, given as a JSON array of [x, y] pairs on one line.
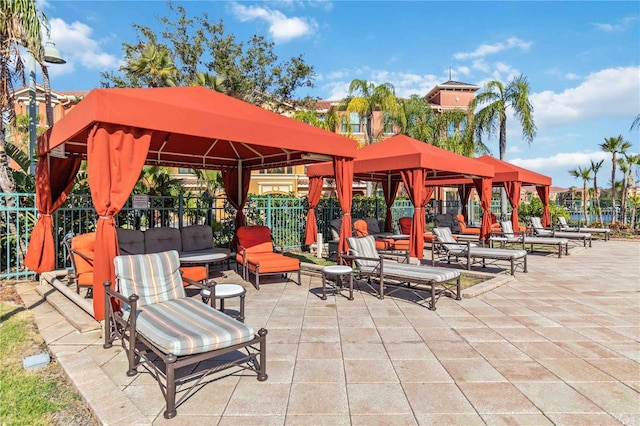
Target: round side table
[[226, 291], [337, 271]]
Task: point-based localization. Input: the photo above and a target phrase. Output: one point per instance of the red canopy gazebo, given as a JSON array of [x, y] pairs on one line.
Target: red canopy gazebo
[[512, 178], [416, 164], [119, 130]]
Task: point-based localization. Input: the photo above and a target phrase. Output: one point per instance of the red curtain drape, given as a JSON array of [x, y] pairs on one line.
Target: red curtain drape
[[343, 168], [115, 156], [315, 191], [390, 190], [513, 194], [41, 253], [483, 186], [464, 192], [235, 195], [543, 193], [414, 184]]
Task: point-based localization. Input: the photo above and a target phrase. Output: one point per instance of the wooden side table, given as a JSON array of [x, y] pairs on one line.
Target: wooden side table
[[339, 272]]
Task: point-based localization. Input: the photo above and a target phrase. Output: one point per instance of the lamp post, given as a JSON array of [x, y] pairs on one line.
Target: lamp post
[[51, 56]]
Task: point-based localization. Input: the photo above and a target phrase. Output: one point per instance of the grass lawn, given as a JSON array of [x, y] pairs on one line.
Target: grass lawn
[[33, 397]]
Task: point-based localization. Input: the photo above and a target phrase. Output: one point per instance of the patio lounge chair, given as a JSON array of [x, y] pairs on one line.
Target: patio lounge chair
[[564, 226], [170, 334], [393, 275], [541, 231], [464, 229], [257, 255], [469, 254], [508, 236], [80, 249], [404, 224]]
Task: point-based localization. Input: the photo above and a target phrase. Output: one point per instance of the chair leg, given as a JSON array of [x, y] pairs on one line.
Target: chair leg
[[170, 397]]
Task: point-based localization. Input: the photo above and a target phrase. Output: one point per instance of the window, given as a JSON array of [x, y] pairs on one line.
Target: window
[[387, 123], [354, 124], [277, 170], [451, 129], [184, 171]]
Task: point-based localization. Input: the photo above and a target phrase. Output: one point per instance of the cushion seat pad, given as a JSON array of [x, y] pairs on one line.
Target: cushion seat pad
[[272, 262], [415, 273], [546, 240], [490, 253], [187, 326], [561, 234]]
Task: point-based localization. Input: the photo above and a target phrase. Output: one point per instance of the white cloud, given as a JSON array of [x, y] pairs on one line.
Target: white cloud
[[557, 166], [78, 48], [281, 27], [609, 93], [491, 49], [617, 27]]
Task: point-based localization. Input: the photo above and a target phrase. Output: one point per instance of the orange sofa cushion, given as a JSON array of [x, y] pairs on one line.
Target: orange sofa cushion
[[360, 228], [84, 244], [195, 273], [272, 262], [464, 229], [256, 237]]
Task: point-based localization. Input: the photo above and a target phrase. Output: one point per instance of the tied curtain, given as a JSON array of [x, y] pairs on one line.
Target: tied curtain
[[543, 193], [343, 169], [315, 190], [419, 194], [390, 190], [41, 253], [513, 194], [483, 186], [236, 195], [115, 156], [464, 192]]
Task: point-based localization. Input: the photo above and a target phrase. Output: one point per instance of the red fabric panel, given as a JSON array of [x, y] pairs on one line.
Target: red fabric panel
[[543, 193], [483, 186], [50, 194], [236, 196], [513, 194], [390, 190], [315, 190], [464, 192], [343, 168], [115, 156], [414, 184]]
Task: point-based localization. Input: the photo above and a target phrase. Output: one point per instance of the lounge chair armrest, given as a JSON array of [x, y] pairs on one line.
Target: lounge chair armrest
[[126, 300]]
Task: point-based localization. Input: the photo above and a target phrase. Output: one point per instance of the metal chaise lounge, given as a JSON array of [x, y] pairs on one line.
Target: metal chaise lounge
[[564, 226], [170, 334], [541, 231], [393, 275], [469, 254], [508, 236]]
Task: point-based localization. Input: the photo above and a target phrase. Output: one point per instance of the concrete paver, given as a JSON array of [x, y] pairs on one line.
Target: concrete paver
[[557, 345]]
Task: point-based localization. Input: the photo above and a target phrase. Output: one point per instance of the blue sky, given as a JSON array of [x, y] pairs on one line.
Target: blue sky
[[582, 59]]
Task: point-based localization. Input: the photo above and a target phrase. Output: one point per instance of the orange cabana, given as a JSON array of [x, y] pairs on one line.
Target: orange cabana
[[511, 178], [416, 164], [119, 130]]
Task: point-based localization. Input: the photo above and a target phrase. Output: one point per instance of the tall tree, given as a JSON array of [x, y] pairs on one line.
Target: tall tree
[[595, 168], [491, 104], [251, 70], [365, 97], [636, 123], [614, 145], [21, 25], [627, 164], [585, 175]]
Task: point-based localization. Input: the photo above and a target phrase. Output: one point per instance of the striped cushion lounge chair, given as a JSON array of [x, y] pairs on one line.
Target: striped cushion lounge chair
[[564, 226], [508, 236], [163, 330], [393, 275], [541, 231], [469, 254]]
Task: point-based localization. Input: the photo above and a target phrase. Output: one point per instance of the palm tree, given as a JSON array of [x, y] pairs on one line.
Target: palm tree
[[209, 80], [417, 118], [615, 145], [153, 64], [595, 168], [496, 99], [20, 26], [493, 102], [328, 121], [627, 164], [585, 175], [364, 98], [636, 122]]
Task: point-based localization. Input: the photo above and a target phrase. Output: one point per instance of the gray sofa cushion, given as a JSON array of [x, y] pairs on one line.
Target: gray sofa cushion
[[335, 228], [130, 241], [372, 225], [161, 239], [196, 237]]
